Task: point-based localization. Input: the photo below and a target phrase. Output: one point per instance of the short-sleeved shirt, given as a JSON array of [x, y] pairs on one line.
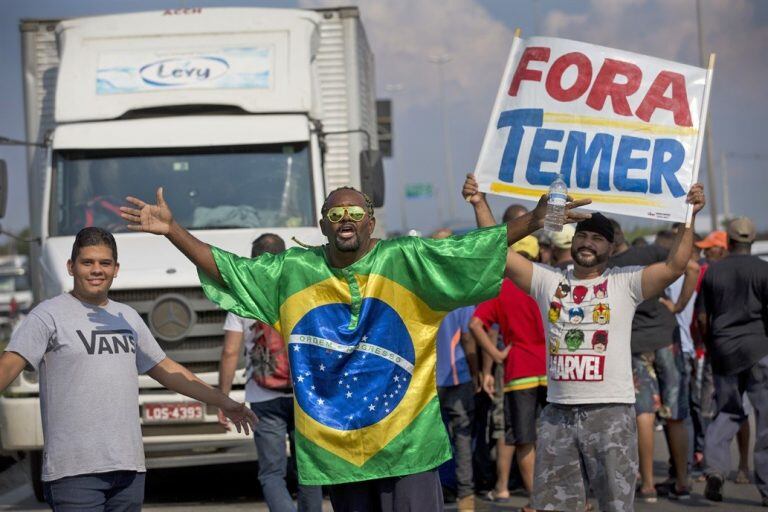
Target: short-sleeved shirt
[[89, 358], [520, 325], [654, 325], [588, 328], [452, 366], [253, 392], [734, 294], [361, 343]]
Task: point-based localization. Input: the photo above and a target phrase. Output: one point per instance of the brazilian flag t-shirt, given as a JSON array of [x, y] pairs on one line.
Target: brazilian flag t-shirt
[[361, 343]]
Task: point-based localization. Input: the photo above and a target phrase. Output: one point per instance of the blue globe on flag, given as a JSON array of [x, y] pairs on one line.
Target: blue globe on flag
[[350, 378]]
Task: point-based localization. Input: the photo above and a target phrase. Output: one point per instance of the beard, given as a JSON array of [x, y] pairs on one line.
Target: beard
[[592, 259], [347, 244]]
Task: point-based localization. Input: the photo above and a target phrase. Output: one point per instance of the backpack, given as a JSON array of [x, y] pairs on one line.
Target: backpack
[[268, 362]]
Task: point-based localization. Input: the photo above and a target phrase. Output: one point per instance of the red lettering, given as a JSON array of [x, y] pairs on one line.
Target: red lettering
[[606, 85], [537, 53], [677, 103], [555, 76]]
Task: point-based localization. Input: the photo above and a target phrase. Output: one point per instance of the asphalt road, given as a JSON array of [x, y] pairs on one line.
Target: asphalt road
[[234, 488]]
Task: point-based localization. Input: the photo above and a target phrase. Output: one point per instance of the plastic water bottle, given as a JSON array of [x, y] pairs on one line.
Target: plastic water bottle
[[556, 205]]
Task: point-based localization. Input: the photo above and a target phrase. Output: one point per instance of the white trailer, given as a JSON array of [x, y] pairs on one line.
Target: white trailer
[[246, 116]]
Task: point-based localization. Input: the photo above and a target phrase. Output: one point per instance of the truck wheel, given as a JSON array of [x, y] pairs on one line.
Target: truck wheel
[[35, 473]]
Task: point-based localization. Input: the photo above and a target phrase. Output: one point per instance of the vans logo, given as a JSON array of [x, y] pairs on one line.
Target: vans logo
[[113, 341], [170, 72]]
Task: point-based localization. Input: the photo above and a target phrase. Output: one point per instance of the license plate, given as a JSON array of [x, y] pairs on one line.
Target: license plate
[[174, 412]]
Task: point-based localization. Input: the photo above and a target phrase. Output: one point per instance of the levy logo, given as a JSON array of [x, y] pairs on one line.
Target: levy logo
[[112, 341], [186, 71]]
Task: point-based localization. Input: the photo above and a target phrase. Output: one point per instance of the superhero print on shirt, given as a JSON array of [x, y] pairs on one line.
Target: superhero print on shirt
[[601, 314], [599, 340], [554, 311], [575, 315], [563, 289], [600, 290], [579, 293], [554, 345], [574, 338]]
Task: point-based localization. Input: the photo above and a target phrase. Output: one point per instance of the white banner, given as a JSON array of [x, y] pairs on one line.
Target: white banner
[[621, 128]]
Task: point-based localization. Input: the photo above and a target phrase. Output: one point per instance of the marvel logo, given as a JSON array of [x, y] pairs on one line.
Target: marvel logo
[[576, 367]]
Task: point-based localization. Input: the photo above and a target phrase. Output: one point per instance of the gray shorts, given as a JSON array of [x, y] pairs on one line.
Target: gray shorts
[[582, 447]]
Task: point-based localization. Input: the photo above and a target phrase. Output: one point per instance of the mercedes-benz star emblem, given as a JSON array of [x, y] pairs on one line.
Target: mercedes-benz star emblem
[[171, 318]]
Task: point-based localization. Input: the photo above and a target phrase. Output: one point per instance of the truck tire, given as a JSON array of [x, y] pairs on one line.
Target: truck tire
[[35, 473]]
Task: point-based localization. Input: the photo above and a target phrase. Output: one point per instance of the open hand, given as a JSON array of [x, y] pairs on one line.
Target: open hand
[[241, 416], [571, 215], [696, 197], [470, 192], [489, 384], [149, 218]]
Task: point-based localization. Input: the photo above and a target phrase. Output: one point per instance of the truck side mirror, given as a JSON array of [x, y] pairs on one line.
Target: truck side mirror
[[3, 187], [372, 176]]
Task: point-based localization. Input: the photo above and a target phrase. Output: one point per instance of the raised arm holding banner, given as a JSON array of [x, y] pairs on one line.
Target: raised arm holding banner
[[623, 129]]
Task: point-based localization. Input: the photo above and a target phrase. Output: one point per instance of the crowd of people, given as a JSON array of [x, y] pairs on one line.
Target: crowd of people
[[408, 370]]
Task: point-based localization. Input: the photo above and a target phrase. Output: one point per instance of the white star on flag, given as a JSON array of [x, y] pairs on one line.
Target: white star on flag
[[354, 379], [300, 378], [396, 379], [365, 398], [371, 407], [365, 338], [295, 348], [320, 401], [349, 394], [322, 367]]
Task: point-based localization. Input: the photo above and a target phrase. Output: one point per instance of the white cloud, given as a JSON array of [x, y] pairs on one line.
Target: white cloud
[[404, 34]]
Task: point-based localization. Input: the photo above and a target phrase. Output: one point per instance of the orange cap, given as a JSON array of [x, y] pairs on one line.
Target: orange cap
[[714, 239]]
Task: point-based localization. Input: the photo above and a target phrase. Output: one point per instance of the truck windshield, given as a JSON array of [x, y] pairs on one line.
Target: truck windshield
[[263, 186]]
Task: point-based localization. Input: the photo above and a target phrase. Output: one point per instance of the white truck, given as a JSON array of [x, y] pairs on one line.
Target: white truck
[[246, 116]]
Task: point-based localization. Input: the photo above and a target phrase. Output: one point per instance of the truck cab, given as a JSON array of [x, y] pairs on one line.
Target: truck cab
[[246, 117]]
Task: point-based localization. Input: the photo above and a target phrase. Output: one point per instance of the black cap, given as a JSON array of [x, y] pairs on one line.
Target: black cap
[[598, 223]]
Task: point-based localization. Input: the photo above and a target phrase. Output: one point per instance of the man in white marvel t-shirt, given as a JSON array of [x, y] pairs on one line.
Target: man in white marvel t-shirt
[[587, 434], [267, 389]]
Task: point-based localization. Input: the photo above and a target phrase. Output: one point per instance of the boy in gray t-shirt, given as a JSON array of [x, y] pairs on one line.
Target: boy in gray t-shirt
[[89, 351]]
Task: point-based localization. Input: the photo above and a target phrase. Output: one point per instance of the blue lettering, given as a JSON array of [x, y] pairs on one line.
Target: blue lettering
[[540, 154], [666, 169], [625, 162], [575, 148], [516, 120]]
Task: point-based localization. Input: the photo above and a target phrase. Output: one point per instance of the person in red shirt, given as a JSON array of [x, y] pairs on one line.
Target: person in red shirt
[[525, 371]]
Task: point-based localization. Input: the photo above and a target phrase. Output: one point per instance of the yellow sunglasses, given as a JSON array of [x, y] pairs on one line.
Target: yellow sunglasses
[[335, 214]]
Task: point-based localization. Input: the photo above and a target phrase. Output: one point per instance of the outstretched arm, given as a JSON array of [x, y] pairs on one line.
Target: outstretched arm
[[658, 276], [175, 377], [158, 219], [519, 269], [11, 365]]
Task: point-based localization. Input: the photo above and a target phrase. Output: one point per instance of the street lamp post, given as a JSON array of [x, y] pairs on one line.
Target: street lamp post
[[440, 61]]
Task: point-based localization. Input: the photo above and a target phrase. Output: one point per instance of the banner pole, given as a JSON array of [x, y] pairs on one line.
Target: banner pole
[[702, 131]]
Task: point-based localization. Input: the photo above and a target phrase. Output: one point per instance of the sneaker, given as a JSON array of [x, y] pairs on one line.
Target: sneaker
[[679, 494], [646, 496], [713, 491]]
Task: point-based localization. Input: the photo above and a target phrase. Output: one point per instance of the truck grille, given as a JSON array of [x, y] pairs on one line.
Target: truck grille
[[200, 349]]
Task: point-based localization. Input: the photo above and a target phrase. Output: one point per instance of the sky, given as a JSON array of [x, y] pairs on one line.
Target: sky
[[472, 38]]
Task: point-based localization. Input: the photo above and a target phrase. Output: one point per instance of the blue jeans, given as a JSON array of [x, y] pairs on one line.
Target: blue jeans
[[275, 421], [116, 491]]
